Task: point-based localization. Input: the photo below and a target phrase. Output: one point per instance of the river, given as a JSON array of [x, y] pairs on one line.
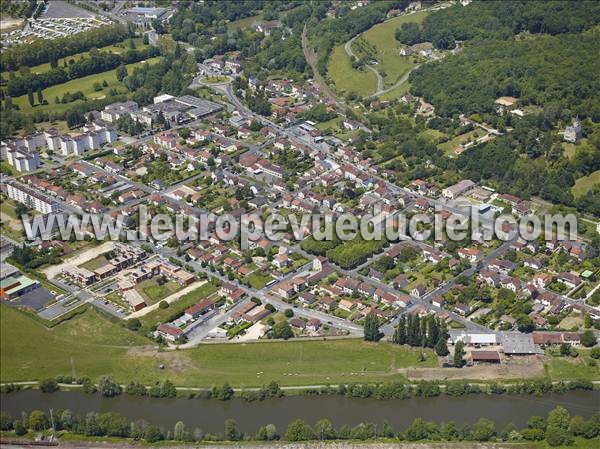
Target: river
[[210, 414]]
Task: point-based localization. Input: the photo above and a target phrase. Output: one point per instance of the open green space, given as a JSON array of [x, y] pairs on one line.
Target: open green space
[[586, 183], [391, 65], [347, 79], [85, 85], [569, 368], [396, 92], [449, 146], [152, 291], [244, 23], [189, 299], [118, 48], [97, 346], [259, 280]]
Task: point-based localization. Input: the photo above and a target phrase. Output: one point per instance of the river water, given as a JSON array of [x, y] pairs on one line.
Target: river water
[[209, 415]]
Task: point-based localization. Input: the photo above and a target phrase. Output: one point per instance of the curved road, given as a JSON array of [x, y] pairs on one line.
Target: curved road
[[349, 52]]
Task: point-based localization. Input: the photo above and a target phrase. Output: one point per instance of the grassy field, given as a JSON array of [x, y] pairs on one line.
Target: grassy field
[[397, 92], [449, 146], [584, 184], [391, 65], [153, 292], [566, 368], [347, 79], [244, 23], [161, 315], [259, 280], [85, 85], [98, 346]]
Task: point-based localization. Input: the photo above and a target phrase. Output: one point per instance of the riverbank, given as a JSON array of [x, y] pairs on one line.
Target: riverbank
[[210, 414], [115, 444]]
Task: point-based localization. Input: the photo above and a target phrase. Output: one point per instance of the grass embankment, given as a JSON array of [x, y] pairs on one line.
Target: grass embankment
[[585, 183], [97, 346]]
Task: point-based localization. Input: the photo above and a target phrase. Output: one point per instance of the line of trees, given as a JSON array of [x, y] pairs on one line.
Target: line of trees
[[97, 62], [558, 428], [42, 51], [426, 332]]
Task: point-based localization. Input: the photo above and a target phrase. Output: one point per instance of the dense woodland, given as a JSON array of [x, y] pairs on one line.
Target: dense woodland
[[550, 67]]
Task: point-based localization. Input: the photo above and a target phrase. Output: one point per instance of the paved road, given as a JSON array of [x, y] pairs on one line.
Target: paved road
[[353, 57]]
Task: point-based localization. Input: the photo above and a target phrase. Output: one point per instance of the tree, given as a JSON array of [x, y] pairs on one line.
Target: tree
[[588, 339], [441, 348], [288, 313], [48, 385], [371, 327], [38, 420], [40, 96], [557, 429], [108, 387], [483, 430], [232, 433], [324, 430], [152, 434], [298, 430], [224, 393], [5, 421], [400, 332], [459, 352], [282, 330], [134, 324], [30, 98], [121, 73]]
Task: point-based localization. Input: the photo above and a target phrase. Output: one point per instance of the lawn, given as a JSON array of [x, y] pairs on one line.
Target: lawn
[[391, 65], [567, 368], [96, 346], [397, 92], [162, 315], [258, 280], [244, 23], [85, 85], [449, 146], [585, 183], [348, 79], [93, 344], [153, 292]]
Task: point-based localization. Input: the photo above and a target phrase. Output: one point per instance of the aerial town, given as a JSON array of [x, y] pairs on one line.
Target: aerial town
[[250, 113]]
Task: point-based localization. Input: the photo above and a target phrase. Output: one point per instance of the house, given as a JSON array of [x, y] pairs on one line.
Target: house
[[485, 357], [438, 301], [313, 325], [473, 255], [501, 266], [569, 279], [327, 303], [573, 132], [419, 290], [307, 298], [298, 323], [458, 189], [462, 309], [169, 332], [347, 305], [201, 308]]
